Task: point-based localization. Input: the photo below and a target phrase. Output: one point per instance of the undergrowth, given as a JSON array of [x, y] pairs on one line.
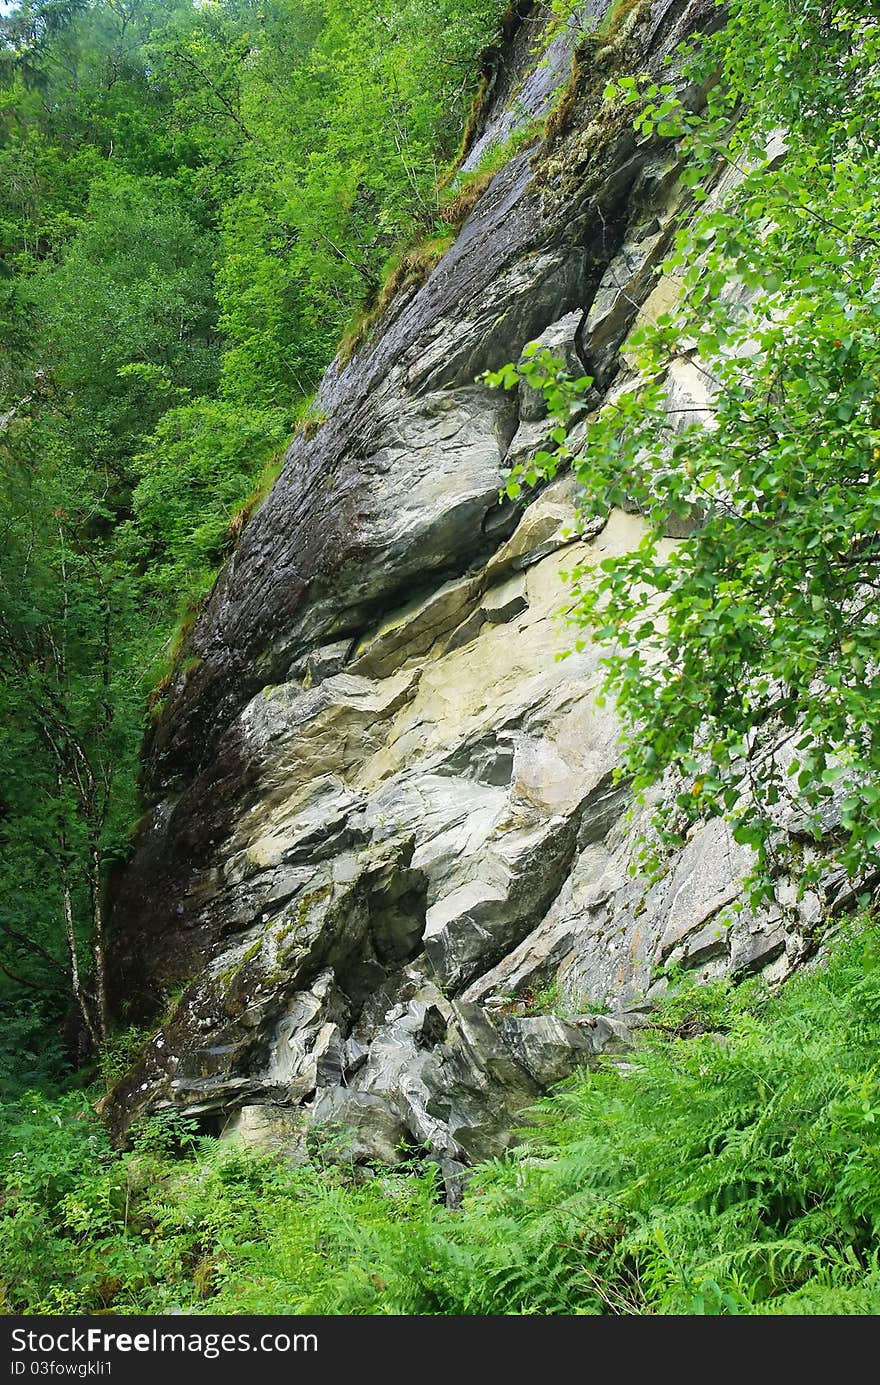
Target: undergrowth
[[735, 1171]]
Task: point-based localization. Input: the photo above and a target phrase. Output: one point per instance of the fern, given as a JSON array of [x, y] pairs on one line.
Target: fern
[[734, 1171]]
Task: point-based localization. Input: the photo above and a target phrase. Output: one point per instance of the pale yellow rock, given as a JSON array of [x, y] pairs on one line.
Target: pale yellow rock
[[413, 628], [662, 299], [551, 516], [504, 670]]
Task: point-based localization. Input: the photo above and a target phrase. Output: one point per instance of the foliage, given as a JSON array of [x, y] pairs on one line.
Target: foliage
[[132, 285], [712, 1176], [118, 1052], [745, 660], [197, 466], [349, 110], [70, 724], [736, 1171], [30, 1052], [182, 1220], [193, 202]]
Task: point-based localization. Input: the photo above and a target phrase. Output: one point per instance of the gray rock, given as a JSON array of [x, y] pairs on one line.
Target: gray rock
[[624, 286], [752, 948], [381, 812], [502, 603], [321, 663], [558, 341], [359, 1126], [549, 1048], [411, 631], [707, 877], [514, 880], [270, 1130]]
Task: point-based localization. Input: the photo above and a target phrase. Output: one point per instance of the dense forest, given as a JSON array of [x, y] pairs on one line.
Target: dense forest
[[200, 205]]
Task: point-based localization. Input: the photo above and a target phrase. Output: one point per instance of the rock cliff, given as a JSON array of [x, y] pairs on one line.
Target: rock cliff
[[385, 831]]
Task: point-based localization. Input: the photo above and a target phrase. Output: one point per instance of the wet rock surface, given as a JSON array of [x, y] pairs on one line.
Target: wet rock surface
[[387, 854]]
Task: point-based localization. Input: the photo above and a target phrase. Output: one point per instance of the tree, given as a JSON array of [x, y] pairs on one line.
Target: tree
[[70, 728], [746, 659]]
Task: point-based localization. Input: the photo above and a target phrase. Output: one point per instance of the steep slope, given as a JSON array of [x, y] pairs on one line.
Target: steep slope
[[383, 816]]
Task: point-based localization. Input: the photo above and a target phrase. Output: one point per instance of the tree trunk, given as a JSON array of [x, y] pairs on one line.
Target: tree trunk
[[99, 959], [79, 994]]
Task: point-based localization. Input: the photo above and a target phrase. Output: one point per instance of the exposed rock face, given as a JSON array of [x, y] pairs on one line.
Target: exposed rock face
[[384, 815]]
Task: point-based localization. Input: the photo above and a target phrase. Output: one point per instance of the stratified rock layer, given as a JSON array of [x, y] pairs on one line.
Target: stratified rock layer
[[385, 818]]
